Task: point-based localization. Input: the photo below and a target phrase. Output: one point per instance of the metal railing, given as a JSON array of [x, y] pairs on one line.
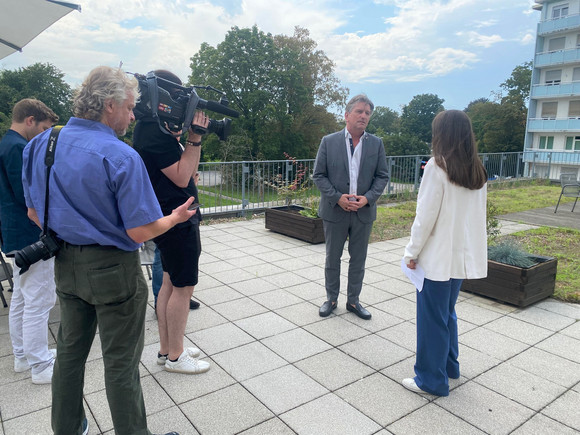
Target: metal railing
[[234, 188]]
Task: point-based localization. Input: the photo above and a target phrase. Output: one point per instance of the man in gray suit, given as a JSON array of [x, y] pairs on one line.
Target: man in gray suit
[[351, 174]]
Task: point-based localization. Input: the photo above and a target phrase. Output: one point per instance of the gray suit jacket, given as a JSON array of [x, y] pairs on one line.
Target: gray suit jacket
[[331, 176]]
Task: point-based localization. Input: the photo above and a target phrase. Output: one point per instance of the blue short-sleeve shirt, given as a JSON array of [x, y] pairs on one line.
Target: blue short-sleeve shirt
[[99, 186]]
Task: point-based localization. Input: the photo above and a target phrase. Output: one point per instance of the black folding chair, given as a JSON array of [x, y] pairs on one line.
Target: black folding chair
[[570, 188]]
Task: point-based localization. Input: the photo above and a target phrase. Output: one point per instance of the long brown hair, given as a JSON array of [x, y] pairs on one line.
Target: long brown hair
[[455, 149]]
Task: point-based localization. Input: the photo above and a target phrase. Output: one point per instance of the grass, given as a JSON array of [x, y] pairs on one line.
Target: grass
[[562, 243]]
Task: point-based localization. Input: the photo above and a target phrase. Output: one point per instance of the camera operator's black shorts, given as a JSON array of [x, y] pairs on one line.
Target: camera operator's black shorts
[[180, 248]]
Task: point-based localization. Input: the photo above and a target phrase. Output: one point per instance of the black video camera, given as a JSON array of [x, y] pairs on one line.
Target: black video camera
[[46, 247], [176, 108]]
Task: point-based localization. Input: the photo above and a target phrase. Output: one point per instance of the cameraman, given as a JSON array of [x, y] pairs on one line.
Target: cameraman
[[171, 168], [102, 207]]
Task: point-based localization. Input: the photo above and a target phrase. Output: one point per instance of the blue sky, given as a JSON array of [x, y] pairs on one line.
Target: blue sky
[[391, 50]]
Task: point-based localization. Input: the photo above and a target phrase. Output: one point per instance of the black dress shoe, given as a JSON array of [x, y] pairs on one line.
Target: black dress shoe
[[359, 311], [326, 308], [193, 305]]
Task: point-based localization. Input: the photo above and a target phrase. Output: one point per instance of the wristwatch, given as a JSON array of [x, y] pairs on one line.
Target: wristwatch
[[193, 144]]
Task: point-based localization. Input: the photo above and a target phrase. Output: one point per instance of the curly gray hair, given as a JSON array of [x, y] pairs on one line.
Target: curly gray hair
[[101, 85]]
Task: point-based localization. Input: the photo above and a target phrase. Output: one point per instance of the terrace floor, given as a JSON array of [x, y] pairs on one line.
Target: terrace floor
[[278, 368]]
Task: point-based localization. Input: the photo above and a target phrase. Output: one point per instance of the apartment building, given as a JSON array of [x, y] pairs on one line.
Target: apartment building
[[552, 142]]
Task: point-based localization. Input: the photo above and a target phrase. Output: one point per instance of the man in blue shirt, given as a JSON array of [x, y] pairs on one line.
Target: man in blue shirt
[[102, 207], [33, 293]]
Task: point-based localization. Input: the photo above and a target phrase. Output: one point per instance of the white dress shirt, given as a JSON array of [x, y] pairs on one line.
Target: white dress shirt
[[448, 237], [354, 159]]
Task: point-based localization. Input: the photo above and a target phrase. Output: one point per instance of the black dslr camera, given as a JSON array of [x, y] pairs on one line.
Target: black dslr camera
[[46, 247], [176, 108]]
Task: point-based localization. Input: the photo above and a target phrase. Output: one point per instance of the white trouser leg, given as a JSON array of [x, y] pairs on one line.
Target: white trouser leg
[[15, 315], [39, 293]]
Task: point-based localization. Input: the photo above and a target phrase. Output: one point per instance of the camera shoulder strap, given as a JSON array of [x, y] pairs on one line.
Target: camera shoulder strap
[[48, 161]]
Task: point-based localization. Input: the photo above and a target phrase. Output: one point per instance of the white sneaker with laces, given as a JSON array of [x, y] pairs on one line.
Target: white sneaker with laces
[[409, 384], [186, 364], [21, 364], [193, 352]]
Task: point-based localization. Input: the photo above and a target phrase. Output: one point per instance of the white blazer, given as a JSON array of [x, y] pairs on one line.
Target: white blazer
[[448, 237]]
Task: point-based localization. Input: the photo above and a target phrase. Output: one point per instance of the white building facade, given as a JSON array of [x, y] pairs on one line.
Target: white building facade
[[552, 142]]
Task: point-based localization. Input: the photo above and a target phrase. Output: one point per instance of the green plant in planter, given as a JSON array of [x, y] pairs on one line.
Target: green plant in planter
[[509, 252], [310, 205]]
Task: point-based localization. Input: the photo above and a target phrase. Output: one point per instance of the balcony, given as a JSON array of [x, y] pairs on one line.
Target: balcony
[[536, 125], [552, 26], [559, 90], [557, 58]]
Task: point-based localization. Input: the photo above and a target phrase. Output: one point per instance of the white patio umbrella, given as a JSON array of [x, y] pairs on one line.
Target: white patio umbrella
[[23, 20]]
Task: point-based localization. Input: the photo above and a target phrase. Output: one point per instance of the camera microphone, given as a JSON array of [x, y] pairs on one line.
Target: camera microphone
[[214, 106]]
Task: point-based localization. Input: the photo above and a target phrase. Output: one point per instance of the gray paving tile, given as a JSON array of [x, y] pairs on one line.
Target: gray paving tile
[[473, 362], [37, 423], [202, 318], [301, 314], [439, 421], [475, 314], [23, 397], [94, 376], [541, 425], [239, 309], [243, 262], [375, 351], [379, 321], [381, 399], [521, 386], [182, 388], [308, 291], [216, 267], [519, 330], [272, 426], [543, 318], [253, 286], [227, 411], [247, 361], [171, 419], [336, 330], [206, 282], [563, 346], [565, 409], [396, 287], [334, 369], [7, 373], [339, 418], [563, 308], [492, 343], [296, 344], [399, 307], [284, 388], [373, 295], [219, 338], [265, 325], [572, 331], [403, 334], [276, 299], [217, 295], [548, 366]]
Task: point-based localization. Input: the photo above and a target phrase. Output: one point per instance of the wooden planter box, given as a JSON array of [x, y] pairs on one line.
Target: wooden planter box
[[288, 221], [515, 285]]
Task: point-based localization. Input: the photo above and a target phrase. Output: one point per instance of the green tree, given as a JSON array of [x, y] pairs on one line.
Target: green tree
[[281, 85], [417, 116], [42, 81], [385, 119], [404, 145], [518, 85]]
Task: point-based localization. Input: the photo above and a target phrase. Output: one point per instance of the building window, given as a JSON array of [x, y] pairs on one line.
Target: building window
[[546, 142], [560, 11], [574, 109], [573, 143], [549, 110], [576, 75], [554, 77], [556, 44]]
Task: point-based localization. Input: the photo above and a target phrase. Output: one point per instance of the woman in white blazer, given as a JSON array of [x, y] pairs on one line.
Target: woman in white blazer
[[449, 241]]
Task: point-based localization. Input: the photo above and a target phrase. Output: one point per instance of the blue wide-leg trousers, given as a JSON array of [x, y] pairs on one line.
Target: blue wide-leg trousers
[[437, 343]]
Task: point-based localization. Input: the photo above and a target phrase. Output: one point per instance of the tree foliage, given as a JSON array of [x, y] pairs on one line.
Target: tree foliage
[[518, 85], [384, 119], [418, 115], [282, 87], [42, 81]]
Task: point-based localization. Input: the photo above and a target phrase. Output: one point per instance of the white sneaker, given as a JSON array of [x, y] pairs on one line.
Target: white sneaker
[[21, 364], [45, 376], [193, 352], [409, 384], [186, 364]]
